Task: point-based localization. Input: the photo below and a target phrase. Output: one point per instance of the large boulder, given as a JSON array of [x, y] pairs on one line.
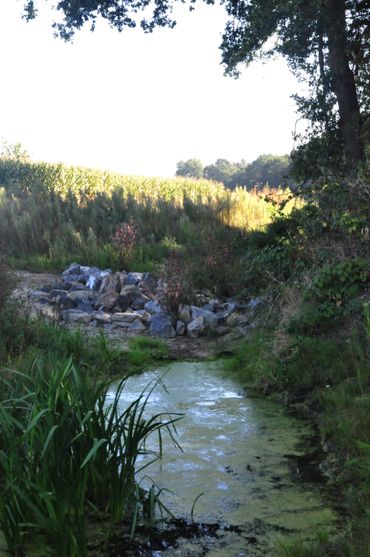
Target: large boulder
[[210, 319], [111, 283], [196, 327], [184, 313], [107, 300], [161, 326], [153, 307], [76, 316], [139, 301]]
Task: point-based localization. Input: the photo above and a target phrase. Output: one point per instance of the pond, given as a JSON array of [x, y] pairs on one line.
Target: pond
[[237, 467]]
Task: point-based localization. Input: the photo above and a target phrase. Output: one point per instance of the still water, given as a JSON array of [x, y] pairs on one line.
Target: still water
[[236, 463]]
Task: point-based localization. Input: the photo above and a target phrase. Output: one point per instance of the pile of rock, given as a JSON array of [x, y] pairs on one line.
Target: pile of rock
[[130, 301]]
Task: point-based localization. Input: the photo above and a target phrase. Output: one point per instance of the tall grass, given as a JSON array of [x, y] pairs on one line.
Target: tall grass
[[67, 453]]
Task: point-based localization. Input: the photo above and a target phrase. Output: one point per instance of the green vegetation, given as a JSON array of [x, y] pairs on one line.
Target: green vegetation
[[51, 215], [312, 346], [67, 453], [267, 170]]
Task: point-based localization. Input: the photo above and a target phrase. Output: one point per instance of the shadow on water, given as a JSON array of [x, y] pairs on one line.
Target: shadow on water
[[246, 457]]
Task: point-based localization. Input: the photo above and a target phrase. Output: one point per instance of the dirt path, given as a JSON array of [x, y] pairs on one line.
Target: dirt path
[[182, 348]]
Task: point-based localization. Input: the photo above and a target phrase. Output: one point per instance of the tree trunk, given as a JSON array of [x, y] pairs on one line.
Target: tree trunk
[[344, 84]]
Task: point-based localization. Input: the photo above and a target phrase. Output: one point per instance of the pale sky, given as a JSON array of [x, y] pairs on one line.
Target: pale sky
[[137, 103]]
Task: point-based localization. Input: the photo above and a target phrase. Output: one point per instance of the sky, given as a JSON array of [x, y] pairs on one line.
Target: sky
[[138, 103]]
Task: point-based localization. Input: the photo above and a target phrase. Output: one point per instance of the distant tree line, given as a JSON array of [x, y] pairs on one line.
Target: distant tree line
[[271, 170]]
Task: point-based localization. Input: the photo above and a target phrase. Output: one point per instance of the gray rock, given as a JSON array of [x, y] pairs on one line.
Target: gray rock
[[235, 319], [102, 316], [80, 295], [111, 283], [106, 301], [64, 302], [126, 317], [180, 328], [84, 306], [196, 327], [210, 319], [137, 327], [134, 278], [145, 316], [153, 307], [254, 302], [76, 316], [139, 302], [161, 326], [131, 291], [148, 282], [184, 313]]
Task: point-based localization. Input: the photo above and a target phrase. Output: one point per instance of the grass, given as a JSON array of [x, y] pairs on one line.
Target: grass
[[67, 452]]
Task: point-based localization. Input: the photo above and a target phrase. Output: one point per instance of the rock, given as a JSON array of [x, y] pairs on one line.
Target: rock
[[231, 307], [62, 286], [102, 317], [126, 317], [153, 307], [235, 319], [84, 306], [137, 327], [210, 319], [76, 316], [131, 291], [196, 327], [145, 316], [139, 302], [148, 282], [184, 313], [254, 302], [40, 294], [121, 325], [134, 278], [161, 326], [77, 286], [110, 283], [106, 301], [123, 301], [80, 295], [180, 328], [64, 302]]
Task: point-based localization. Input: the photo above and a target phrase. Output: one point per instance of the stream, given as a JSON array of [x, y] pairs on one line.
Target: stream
[[239, 465]]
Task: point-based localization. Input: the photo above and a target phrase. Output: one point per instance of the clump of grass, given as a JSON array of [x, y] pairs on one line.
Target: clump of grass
[[144, 351], [67, 451]]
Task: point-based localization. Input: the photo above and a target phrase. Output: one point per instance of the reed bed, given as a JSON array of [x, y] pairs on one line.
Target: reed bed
[[68, 458]]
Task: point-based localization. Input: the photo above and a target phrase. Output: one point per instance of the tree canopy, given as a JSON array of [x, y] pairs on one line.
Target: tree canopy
[[271, 170], [325, 41], [192, 168]]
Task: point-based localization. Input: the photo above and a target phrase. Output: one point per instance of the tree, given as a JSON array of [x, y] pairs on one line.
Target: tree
[[271, 170], [322, 40], [327, 41], [222, 171], [192, 168]]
